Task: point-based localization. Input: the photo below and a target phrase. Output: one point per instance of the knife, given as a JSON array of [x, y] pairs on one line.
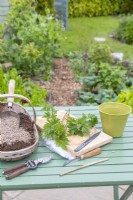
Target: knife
[[86, 155], [89, 140], [12, 172]]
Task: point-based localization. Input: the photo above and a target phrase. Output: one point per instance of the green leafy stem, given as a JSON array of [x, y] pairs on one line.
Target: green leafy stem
[[55, 129]]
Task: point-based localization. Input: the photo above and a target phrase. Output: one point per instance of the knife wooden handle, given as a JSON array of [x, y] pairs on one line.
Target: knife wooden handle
[[17, 172], [91, 153], [11, 169]]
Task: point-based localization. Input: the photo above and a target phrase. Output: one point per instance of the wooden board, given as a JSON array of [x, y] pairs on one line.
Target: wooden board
[[75, 141]]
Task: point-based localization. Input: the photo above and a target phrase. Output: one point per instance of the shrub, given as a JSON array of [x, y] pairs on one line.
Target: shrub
[[79, 8], [126, 6], [100, 53], [124, 32], [42, 5], [33, 40]]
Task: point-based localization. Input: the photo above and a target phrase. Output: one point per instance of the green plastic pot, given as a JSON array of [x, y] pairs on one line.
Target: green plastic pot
[[114, 117]]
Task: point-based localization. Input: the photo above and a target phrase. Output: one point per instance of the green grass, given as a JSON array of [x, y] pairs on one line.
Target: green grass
[[81, 33]]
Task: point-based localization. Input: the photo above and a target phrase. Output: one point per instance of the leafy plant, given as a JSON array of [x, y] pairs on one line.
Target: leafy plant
[[89, 98], [55, 129], [24, 87], [79, 64], [81, 126], [3, 83], [126, 97], [103, 78], [100, 53], [105, 95], [124, 32], [111, 77], [90, 83], [88, 63], [1, 30]]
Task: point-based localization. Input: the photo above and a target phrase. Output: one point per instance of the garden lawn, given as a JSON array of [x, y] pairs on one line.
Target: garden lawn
[[81, 33]]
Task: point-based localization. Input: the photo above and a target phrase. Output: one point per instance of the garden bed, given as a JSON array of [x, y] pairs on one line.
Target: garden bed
[[62, 87]]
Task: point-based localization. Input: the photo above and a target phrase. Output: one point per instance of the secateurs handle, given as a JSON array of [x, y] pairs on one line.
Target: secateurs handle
[[16, 173], [12, 169], [12, 172]]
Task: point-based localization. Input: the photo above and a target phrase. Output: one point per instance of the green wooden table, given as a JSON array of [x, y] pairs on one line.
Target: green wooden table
[[118, 170]]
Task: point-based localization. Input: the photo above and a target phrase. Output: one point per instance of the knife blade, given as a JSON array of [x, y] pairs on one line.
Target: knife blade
[[12, 172], [89, 140], [84, 156]]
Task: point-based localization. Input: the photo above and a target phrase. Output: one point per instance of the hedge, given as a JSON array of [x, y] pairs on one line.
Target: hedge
[[90, 8]]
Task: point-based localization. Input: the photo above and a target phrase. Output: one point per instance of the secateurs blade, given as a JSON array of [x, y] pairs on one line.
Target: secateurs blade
[[12, 172]]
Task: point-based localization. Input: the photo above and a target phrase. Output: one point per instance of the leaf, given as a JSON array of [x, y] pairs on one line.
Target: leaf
[[81, 126]]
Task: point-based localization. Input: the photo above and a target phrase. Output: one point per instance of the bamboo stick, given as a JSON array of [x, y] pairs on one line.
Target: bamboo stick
[[83, 166]]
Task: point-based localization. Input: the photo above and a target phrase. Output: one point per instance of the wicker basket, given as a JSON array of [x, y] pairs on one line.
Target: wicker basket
[[22, 153]]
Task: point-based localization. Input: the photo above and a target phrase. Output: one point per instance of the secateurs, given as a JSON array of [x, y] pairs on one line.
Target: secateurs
[[12, 172]]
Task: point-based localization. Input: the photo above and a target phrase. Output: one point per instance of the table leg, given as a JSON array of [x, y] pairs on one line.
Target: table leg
[[0, 194], [127, 193], [116, 192]]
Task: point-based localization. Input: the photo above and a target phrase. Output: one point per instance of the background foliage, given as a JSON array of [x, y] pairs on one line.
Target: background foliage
[[78, 8], [126, 97], [22, 86], [103, 77], [30, 41], [42, 5], [90, 8], [124, 32], [126, 6]]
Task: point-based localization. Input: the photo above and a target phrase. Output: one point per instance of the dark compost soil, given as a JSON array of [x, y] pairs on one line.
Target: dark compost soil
[[14, 138]]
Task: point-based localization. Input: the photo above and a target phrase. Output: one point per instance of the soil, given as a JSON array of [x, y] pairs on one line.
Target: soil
[[14, 138], [62, 87]]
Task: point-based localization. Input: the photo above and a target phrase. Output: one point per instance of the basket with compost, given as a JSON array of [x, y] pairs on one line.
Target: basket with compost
[[18, 132]]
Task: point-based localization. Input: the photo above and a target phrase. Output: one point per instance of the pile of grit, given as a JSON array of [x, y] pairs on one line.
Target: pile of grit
[[15, 135]]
